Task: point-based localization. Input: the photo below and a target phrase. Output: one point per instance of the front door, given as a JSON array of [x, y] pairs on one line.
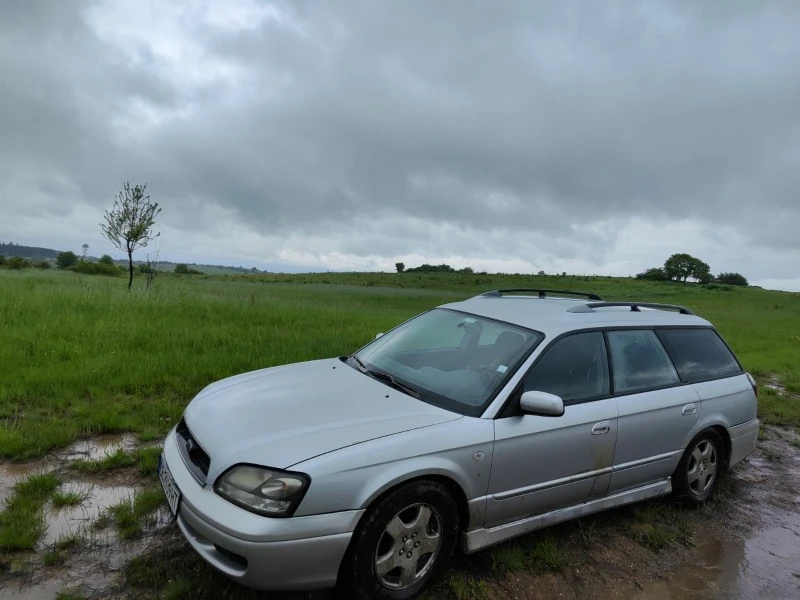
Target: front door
[[543, 463]]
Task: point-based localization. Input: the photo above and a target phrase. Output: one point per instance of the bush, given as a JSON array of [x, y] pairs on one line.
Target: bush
[[64, 260], [426, 268], [17, 262], [106, 260], [43, 264], [731, 279], [91, 268], [2, 260], [654, 274], [183, 269]]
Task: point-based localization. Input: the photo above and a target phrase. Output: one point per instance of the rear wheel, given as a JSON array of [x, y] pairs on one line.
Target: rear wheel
[[402, 544], [699, 471]]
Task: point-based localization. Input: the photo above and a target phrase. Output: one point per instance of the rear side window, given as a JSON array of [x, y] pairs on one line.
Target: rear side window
[[639, 361], [699, 354], [574, 368]]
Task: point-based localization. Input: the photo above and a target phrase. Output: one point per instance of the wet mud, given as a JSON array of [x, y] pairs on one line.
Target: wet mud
[[745, 544], [84, 557], [759, 558]]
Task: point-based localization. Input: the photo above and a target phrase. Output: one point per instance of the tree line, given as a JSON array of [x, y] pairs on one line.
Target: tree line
[[682, 266]]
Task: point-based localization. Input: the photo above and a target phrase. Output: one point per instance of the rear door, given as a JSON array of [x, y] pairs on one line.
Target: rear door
[[543, 463], [657, 411], [705, 361]]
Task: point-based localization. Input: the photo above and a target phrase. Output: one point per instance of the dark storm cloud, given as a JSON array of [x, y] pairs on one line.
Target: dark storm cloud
[[309, 117]]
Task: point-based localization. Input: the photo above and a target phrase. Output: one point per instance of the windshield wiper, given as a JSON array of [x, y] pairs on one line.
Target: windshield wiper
[[361, 366], [385, 377], [394, 383]]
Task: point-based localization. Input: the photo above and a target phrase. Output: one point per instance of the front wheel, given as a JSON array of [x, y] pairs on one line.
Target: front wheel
[[699, 471], [403, 543]]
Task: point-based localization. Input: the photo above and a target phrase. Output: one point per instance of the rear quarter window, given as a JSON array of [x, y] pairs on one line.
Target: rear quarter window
[[699, 354]]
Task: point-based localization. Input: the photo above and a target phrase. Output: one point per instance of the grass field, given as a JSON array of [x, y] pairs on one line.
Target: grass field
[[80, 355]]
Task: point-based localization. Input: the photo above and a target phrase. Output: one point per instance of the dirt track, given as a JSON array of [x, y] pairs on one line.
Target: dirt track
[[746, 544]]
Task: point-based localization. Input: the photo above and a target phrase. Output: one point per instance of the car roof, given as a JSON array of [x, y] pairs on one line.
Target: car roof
[[554, 315]]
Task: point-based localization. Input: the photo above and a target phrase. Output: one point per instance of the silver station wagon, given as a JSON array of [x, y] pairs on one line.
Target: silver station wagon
[[470, 424]]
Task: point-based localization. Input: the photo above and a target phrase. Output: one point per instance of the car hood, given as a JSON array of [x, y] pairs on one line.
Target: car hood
[[280, 416]]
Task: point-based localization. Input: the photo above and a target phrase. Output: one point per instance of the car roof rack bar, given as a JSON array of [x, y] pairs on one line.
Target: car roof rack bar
[[634, 306], [541, 293]]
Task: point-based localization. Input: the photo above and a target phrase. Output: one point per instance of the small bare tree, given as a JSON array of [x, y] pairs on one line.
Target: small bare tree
[[129, 224], [152, 267]]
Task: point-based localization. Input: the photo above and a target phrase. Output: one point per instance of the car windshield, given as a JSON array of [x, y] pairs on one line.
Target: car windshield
[[448, 358]]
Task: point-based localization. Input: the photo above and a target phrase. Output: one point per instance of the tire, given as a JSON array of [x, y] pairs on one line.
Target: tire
[[423, 513], [697, 476]]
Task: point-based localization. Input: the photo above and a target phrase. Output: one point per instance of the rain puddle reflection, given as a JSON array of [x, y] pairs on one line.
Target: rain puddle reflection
[[766, 564], [77, 520], [98, 448]]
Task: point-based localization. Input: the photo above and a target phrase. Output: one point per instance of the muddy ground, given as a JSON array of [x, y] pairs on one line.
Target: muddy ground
[[745, 544]]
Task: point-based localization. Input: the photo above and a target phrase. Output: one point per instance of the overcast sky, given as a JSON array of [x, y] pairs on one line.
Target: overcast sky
[[587, 137]]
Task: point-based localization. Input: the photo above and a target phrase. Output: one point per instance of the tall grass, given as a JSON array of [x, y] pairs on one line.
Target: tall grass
[[80, 355]]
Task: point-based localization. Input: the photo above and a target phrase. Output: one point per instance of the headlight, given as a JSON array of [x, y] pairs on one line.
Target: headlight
[[267, 492]]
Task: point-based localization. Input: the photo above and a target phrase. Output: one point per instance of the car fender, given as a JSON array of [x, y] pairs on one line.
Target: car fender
[[352, 478]]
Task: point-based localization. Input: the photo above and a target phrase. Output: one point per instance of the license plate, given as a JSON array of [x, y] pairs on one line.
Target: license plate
[[171, 490]]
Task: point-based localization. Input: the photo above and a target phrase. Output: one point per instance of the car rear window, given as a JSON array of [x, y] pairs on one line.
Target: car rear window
[[699, 354], [640, 361]]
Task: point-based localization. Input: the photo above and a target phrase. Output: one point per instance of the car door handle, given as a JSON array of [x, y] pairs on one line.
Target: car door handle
[[601, 428], [689, 409]]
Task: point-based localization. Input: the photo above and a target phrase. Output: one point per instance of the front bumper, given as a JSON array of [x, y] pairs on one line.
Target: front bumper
[[743, 441], [298, 553]]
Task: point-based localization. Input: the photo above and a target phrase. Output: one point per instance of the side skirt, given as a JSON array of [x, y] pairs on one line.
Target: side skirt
[[478, 539]]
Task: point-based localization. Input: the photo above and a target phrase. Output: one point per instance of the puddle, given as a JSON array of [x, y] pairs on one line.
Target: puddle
[[765, 565], [777, 388], [98, 448], [69, 520], [763, 561], [11, 473], [46, 591]]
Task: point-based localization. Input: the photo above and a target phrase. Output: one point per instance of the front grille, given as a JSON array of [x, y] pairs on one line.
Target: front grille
[[193, 454]]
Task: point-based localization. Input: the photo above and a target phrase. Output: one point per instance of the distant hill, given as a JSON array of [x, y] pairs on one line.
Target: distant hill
[[8, 249], [12, 249]]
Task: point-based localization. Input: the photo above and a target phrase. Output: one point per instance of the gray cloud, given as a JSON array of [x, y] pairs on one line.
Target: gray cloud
[[358, 132]]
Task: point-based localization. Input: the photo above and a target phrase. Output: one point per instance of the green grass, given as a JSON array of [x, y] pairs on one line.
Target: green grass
[[655, 536], [508, 558], [659, 523], [775, 409], [169, 570], [589, 532], [71, 498], [145, 458], [116, 460], [178, 588], [22, 521], [464, 587], [56, 554], [70, 596], [148, 459], [546, 554], [133, 516], [82, 356]]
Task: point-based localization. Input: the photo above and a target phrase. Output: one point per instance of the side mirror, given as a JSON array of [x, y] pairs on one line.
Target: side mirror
[[541, 403], [379, 335]]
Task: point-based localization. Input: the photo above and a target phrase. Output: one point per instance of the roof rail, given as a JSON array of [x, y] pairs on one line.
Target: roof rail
[[541, 293], [634, 306]]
